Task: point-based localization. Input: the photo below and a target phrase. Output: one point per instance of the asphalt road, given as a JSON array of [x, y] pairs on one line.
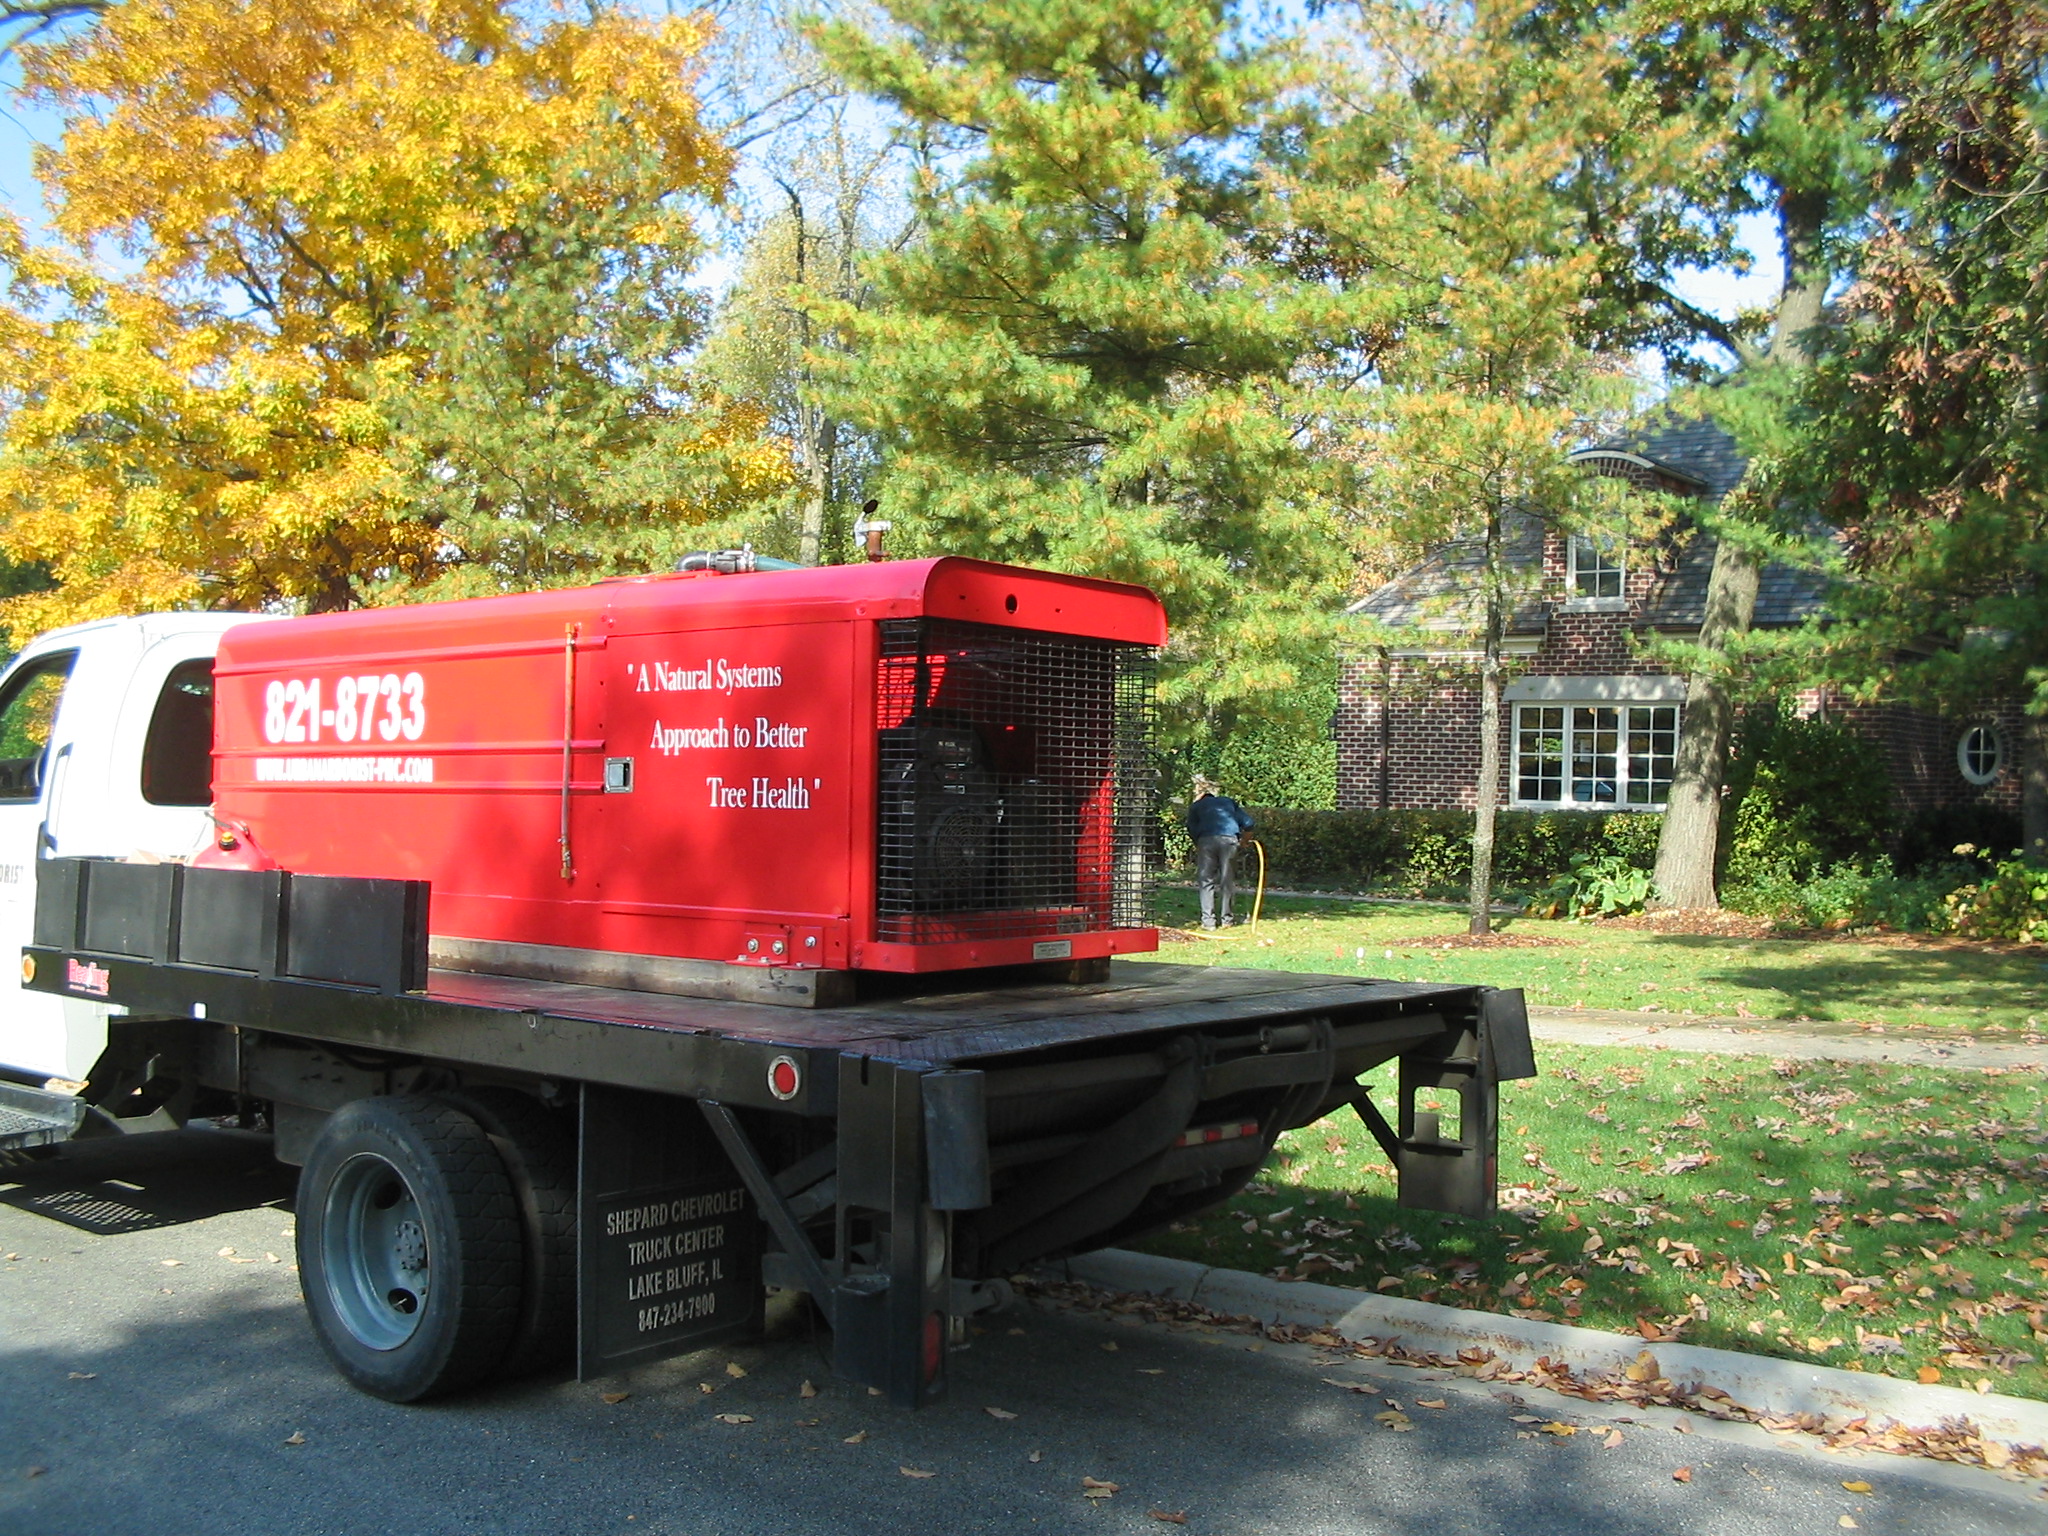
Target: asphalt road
[[149, 1382]]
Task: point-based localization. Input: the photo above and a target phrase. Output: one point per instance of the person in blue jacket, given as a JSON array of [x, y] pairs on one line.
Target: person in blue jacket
[[1215, 822]]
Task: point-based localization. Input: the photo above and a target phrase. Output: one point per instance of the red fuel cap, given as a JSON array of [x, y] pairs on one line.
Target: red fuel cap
[[783, 1077]]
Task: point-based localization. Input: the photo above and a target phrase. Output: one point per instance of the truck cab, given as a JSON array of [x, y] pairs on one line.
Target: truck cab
[[106, 735]]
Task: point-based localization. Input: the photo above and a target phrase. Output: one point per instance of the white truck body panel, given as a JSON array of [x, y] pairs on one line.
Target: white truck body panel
[[91, 799]]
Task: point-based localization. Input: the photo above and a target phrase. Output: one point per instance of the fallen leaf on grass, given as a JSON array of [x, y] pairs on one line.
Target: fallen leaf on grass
[[1611, 1439], [807, 1390], [296, 1437], [1929, 1375], [1431, 1402], [1560, 1429], [1394, 1418], [613, 1397], [1170, 1516], [1682, 1475], [1644, 1368], [916, 1472], [855, 1438], [1857, 1487], [734, 1418], [734, 1369], [999, 1413], [1996, 1456]]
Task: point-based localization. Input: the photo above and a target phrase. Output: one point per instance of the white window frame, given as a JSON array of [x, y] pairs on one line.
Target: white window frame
[[1584, 549], [1578, 763], [1990, 733]]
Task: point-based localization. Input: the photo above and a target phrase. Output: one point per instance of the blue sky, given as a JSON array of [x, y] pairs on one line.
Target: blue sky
[[1720, 290]]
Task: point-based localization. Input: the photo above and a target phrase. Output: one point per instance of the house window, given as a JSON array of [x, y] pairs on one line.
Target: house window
[[1595, 567], [1979, 754], [1595, 754]]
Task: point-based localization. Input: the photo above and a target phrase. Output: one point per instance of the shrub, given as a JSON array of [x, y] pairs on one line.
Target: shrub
[[1809, 795], [2012, 904], [1848, 896], [1604, 887], [1430, 852], [1929, 839]]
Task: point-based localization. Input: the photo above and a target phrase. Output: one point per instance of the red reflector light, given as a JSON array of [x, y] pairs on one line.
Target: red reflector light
[[1230, 1130]]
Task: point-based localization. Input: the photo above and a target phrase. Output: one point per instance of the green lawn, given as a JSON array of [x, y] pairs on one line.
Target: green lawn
[[1872, 982], [1882, 1219]]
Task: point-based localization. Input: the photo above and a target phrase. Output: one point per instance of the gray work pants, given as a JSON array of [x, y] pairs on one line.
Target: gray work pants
[[1214, 857]]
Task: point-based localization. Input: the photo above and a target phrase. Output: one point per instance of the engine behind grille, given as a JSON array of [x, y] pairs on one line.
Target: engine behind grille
[[1017, 785]]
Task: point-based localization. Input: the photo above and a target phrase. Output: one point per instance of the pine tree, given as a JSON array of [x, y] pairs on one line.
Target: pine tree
[[1927, 438], [1086, 361], [1790, 91]]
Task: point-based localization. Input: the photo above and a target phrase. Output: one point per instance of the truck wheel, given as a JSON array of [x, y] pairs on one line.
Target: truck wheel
[[540, 1155], [409, 1247]]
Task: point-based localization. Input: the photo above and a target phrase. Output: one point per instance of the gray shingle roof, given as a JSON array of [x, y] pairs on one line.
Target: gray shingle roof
[[1428, 596], [1443, 591], [1693, 446]]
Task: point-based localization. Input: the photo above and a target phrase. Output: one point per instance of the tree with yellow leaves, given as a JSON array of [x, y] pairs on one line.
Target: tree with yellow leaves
[[389, 258]]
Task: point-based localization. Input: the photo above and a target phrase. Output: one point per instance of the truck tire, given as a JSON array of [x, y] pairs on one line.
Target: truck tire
[[409, 1246], [539, 1151]]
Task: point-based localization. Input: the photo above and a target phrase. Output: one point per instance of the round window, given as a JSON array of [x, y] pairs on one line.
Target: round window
[[1977, 754]]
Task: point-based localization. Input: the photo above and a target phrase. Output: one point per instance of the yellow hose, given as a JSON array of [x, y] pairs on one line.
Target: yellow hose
[[1259, 901]]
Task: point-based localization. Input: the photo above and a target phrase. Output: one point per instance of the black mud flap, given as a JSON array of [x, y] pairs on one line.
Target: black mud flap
[[1452, 1163], [668, 1240]]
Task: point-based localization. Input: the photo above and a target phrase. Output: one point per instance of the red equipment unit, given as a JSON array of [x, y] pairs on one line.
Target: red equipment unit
[[907, 766]]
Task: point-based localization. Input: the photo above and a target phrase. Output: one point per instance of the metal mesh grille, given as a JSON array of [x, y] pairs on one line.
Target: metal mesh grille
[[1016, 783]]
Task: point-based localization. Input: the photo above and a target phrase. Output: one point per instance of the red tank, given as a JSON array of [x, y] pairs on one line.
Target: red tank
[[903, 766]]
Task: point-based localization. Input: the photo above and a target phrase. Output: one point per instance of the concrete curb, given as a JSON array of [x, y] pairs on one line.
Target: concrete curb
[[1775, 1387]]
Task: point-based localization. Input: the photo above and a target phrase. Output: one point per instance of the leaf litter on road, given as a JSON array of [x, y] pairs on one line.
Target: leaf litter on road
[[1954, 1440]]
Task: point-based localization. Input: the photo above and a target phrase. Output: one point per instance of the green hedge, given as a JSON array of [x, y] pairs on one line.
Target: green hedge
[[1431, 851]]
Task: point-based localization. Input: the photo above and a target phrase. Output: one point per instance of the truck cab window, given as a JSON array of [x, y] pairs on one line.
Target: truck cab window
[[177, 756], [28, 709]]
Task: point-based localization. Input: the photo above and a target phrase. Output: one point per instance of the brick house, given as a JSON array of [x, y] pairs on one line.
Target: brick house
[[1589, 721]]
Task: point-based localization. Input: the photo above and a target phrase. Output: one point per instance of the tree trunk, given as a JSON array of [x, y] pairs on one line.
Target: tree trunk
[[820, 443], [1487, 793], [2034, 790], [1688, 843]]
